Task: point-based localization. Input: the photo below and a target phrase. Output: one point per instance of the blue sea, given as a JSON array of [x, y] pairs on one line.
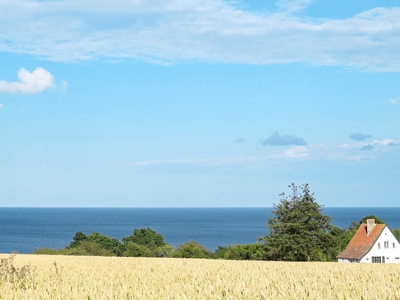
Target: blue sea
[[24, 229]]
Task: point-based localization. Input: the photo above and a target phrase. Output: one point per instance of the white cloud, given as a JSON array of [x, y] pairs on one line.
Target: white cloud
[[1, 105], [395, 101], [297, 152], [355, 157], [29, 83], [318, 152], [198, 30], [64, 86], [384, 142]]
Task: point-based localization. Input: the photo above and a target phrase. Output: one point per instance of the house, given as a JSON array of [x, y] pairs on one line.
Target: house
[[372, 243]]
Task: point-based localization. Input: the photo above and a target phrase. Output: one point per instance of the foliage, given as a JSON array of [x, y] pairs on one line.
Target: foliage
[[192, 249], [396, 233], [377, 220], [146, 242], [146, 237], [76, 240], [93, 248], [164, 251], [136, 250], [109, 244], [240, 252], [20, 278], [299, 231]]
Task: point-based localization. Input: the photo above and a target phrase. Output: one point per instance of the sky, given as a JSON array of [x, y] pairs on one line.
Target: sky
[[198, 103]]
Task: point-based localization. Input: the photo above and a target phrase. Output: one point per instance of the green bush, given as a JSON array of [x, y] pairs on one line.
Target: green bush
[[110, 244], [93, 248], [192, 249], [240, 252], [135, 250]]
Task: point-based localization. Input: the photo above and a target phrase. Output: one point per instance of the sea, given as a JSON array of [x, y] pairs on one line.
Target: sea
[[24, 229]]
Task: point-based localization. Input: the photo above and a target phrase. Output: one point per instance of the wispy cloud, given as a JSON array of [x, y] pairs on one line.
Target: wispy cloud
[[240, 140], [277, 140], [359, 136], [385, 142], [395, 101], [1, 105], [368, 147], [206, 161], [293, 5], [198, 30], [297, 152], [29, 82]]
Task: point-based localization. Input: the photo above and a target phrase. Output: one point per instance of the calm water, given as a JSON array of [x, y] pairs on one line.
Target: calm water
[[24, 229]]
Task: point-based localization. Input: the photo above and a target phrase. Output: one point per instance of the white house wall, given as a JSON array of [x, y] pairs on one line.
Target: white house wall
[[391, 254]]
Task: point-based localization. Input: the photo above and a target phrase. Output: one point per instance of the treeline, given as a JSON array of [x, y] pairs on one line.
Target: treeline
[[298, 232], [145, 242]]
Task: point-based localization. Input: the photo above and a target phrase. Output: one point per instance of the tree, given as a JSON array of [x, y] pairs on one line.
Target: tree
[[396, 233], [377, 220], [108, 243], [299, 231], [240, 252], [136, 250], [77, 239], [146, 237], [192, 249]]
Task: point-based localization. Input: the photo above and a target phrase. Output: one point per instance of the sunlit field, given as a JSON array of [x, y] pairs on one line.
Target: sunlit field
[[78, 277]]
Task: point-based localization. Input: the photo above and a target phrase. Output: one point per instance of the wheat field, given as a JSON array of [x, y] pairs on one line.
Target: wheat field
[[78, 277]]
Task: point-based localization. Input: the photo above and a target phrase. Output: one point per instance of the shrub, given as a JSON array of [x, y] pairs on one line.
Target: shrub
[[94, 249], [136, 250], [192, 249]]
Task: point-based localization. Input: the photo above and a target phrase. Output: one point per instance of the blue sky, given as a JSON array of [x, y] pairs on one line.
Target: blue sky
[[198, 103]]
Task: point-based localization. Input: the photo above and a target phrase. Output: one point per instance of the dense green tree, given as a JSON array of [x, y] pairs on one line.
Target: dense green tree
[[192, 249], [299, 231], [76, 240], [146, 237], [240, 252], [94, 248], [136, 250], [110, 244], [377, 220], [220, 252], [164, 251]]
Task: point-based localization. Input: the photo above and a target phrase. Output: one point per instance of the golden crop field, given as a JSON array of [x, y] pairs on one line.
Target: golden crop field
[[77, 277]]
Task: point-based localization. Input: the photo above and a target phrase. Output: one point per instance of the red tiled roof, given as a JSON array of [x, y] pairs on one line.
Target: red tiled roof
[[360, 244]]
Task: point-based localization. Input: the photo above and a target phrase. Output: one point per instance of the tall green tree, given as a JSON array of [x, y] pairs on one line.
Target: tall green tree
[[299, 231]]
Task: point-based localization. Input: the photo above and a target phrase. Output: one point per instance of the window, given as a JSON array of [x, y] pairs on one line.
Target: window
[[379, 245], [394, 245], [386, 244], [354, 260], [376, 259], [397, 258]]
